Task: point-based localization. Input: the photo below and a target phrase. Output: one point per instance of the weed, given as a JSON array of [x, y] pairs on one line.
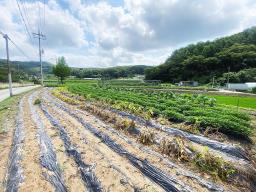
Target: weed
[[147, 137], [175, 147], [37, 102], [125, 124], [214, 165]]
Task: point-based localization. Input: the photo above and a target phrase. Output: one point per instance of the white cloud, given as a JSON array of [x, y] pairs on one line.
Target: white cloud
[[141, 32]]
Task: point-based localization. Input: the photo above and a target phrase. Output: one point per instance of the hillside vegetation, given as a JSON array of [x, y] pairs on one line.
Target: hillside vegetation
[[22, 69], [111, 72], [204, 60]]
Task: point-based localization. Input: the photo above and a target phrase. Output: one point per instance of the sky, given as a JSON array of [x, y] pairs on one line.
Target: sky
[[106, 33]]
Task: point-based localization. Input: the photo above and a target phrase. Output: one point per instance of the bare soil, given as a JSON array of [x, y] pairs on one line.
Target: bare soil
[[113, 171]]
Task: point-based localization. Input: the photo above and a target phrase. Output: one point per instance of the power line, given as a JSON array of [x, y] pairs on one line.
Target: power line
[[44, 12], [26, 27], [25, 10], [39, 16], [17, 47]]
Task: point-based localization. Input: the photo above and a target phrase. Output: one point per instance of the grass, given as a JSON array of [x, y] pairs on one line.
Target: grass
[[244, 102], [8, 108]]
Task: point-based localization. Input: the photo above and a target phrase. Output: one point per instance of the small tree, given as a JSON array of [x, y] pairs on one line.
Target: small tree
[[61, 70]]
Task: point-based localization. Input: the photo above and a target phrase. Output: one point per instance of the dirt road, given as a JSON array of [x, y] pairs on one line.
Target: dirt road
[[58, 147]]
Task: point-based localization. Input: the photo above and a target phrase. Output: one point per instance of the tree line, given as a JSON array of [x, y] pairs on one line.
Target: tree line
[[111, 73], [205, 60]]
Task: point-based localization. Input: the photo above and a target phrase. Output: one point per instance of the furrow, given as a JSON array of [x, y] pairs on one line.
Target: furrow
[[114, 172], [86, 170], [167, 182], [226, 148], [70, 171], [152, 154], [48, 158], [14, 175], [30, 152]]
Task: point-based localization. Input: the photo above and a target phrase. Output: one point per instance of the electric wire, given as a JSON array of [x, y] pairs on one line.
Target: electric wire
[[26, 27], [18, 48]]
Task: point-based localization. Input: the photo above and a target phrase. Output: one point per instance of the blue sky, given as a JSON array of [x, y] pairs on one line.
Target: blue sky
[[104, 33]]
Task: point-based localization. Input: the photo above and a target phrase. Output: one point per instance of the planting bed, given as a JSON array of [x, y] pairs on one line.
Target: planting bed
[[66, 142]]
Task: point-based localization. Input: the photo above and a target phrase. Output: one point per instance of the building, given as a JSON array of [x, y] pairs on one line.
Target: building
[[188, 83], [241, 86]]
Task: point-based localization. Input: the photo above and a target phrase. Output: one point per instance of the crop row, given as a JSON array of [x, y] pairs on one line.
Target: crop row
[[197, 110]]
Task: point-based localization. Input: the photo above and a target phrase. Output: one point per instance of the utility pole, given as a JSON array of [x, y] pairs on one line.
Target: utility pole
[[228, 77], [40, 36], [8, 63], [213, 81]]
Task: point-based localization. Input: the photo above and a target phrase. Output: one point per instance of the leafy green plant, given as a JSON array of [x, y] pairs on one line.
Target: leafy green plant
[[37, 102], [214, 165], [198, 110]]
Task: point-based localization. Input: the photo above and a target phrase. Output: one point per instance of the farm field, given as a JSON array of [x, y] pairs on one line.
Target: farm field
[[86, 137], [245, 102]]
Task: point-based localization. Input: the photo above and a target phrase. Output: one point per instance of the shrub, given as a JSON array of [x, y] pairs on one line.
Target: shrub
[[214, 165], [254, 90], [147, 137], [37, 102], [175, 147], [125, 124]]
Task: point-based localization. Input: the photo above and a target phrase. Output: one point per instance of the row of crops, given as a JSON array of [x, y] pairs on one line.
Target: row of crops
[[198, 110], [149, 84]]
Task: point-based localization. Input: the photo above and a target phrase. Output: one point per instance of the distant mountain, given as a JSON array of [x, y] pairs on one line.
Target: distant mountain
[[111, 72], [23, 69], [204, 60]]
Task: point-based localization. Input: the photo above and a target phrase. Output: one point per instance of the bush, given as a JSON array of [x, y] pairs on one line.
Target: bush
[[254, 90], [37, 102], [147, 137], [215, 166]]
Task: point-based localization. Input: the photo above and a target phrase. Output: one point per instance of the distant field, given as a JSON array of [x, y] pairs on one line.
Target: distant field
[[245, 102]]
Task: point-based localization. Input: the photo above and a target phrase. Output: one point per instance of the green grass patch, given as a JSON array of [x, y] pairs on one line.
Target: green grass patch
[[237, 101], [8, 108]]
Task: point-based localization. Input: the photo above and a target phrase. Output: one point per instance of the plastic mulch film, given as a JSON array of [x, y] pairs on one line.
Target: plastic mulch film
[[228, 149], [14, 175], [87, 174], [167, 182], [204, 183], [47, 154]]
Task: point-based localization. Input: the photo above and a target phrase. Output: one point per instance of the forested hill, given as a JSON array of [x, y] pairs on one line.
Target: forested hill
[[111, 72], [23, 69], [204, 60]]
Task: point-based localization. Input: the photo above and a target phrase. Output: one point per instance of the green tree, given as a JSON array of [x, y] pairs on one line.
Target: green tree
[[204, 60], [61, 70]]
